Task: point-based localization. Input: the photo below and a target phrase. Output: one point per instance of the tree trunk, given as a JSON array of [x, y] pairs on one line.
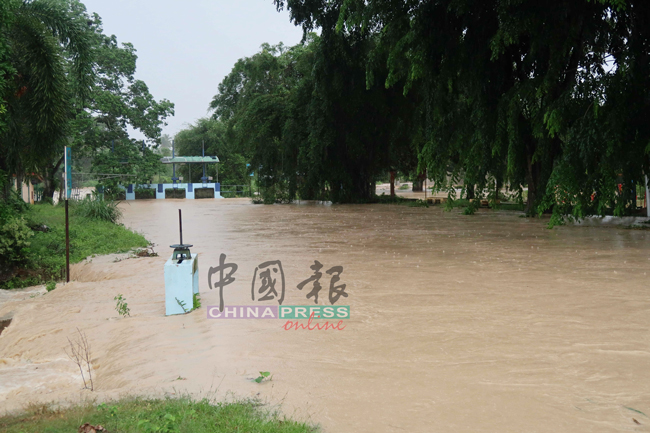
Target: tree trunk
[[392, 184], [19, 184], [49, 179], [533, 178], [497, 192], [418, 183], [470, 192], [647, 197]]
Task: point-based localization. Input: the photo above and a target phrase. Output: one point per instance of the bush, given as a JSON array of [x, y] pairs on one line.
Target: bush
[[472, 207], [98, 209], [276, 193], [51, 285], [11, 204], [14, 242]]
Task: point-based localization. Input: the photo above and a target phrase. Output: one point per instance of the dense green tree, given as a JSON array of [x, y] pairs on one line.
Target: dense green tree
[[253, 105], [5, 65], [517, 92], [117, 101], [212, 134], [68, 84], [49, 65], [311, 125]]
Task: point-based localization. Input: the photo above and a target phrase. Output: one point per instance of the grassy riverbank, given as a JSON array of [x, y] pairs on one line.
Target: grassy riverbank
[[44, 227], [155, 415]]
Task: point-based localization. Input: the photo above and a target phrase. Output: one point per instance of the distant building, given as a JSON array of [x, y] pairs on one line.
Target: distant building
[[27, 188]]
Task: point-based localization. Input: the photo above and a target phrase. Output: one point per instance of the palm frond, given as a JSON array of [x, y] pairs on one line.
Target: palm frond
[[72, 32]]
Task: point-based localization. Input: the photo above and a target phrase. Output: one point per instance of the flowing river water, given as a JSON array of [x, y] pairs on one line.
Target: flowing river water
[[484, 323]]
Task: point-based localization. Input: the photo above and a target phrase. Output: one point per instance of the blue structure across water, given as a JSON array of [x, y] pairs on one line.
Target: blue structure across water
[[190, 189]]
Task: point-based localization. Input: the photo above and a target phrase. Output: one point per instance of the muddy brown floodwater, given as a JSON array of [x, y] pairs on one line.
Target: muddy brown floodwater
[[488, 323]]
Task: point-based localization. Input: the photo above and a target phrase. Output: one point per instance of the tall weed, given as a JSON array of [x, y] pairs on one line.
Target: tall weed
[[97, 209]]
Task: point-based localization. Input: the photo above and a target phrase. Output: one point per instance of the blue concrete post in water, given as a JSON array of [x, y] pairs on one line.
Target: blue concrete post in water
[[181, 283], [181, 277]]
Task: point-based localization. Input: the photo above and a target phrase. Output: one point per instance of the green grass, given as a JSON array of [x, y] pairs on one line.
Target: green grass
[[46, 257], [183, 415]]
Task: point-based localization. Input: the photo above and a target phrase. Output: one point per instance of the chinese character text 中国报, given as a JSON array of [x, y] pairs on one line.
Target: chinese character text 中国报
[[269, 281]]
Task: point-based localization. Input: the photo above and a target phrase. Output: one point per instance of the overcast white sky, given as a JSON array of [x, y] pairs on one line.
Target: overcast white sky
[[186, 48]]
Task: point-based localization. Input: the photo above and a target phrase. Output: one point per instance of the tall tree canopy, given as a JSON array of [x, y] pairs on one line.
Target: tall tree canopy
[[213, 136], [48, 63], [551, 95], [65, 83], [309, 123]]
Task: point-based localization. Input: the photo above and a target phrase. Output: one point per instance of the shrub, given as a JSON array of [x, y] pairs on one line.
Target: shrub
[[51, 285], [276, 193], [121, 306], [98, 209], [472, 207], [14, 241], [11, 204]]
